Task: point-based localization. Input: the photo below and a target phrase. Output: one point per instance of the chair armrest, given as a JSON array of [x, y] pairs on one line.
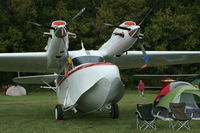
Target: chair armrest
[[191, 115], [157, 114], [138, 114], [171, 115]]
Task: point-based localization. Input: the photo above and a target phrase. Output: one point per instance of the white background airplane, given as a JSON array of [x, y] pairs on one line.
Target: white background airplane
[[88, 80]]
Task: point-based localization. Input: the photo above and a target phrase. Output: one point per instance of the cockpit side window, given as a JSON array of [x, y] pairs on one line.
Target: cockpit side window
[[87, 59]]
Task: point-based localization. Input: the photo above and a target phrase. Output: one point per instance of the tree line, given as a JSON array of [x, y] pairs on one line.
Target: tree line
[[172, 25]]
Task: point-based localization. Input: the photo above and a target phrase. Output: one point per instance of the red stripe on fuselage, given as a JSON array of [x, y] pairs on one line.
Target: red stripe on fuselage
[[84, 66]]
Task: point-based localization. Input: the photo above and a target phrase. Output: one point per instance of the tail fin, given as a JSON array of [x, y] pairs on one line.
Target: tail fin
[[38, 79]]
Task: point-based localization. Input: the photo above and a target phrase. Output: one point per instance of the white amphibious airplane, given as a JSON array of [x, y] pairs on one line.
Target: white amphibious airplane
[[88, 80]]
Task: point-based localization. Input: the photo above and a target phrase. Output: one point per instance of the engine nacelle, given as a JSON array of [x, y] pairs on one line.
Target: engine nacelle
[[121, 40]]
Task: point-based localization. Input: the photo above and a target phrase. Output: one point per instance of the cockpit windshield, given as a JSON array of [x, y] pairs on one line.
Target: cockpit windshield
[[86, 59]]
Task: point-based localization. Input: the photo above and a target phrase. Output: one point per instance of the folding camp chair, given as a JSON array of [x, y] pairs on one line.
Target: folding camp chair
[[144, 117], [180, 119]]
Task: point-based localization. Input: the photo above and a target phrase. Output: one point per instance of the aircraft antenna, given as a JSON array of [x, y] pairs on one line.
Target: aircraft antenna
[[18, 74], [82, 45]]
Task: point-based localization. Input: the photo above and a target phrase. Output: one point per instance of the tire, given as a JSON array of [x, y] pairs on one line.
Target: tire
[[114, 112], [59, 114]]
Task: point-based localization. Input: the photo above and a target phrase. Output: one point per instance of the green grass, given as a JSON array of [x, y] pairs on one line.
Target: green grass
[[34, 113]]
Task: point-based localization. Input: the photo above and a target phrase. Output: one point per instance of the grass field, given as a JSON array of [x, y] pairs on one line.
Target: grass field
[[34, 113]]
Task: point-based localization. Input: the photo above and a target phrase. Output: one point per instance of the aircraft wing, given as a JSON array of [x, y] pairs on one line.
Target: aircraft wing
[[135, 59], [38, 79], [37, 61], [23, 62]]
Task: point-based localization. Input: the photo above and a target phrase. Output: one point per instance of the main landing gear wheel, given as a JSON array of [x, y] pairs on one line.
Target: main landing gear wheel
[[59, 114], [114, 111]]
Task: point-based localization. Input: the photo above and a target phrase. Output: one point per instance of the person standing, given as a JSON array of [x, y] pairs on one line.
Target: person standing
[[141, 88]]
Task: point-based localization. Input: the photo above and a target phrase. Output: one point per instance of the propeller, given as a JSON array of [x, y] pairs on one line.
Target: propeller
[[78, 14], [126, 28], [146, 57], [41, 25], [147, 14], [53, 28], [61, 32], [117, 26]]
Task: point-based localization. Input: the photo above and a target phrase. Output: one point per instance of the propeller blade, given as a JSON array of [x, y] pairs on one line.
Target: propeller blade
[[145, 16], [109, 25], [36, 24], [40, 25], [123, 28], [143, 50], [78, 14], [146, 57], [117, 26]]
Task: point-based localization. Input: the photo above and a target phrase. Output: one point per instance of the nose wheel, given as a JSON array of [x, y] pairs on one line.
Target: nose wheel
[[59, 114], [114, 111]]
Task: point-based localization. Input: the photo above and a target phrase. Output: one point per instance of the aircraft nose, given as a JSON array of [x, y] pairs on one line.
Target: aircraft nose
[[136, 27], [60, 32], [134, 30]]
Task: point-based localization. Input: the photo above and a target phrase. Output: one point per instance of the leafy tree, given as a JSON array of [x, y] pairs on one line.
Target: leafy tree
[[172, 25]]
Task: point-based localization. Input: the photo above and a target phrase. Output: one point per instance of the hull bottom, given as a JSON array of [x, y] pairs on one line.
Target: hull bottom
[[102, 93]]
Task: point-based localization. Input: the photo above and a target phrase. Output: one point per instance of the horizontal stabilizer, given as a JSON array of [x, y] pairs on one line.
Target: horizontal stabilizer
[[148, 76], [38, 79]]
